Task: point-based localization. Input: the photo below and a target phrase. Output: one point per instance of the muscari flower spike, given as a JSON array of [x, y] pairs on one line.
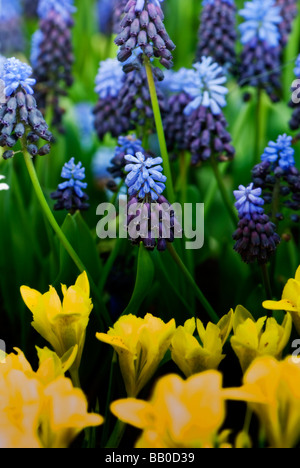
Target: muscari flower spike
[[109, 79], [52, 54], [30, 8], [217, 32], [16, 74], [288, 12], [105, 11], [126, 145], [145, 182], [205, 129], [19, 115], [261, 22], [261, 56], [175, 120], [145, 176], [64, 8], [255, 237], [280, 152], [108, 116], [205, 86], [278, 171], [142, 26], [135, 100], [11, 36], [70, 193]]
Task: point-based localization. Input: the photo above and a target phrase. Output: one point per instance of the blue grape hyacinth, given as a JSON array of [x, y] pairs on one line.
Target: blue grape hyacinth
[[52, 56], [256, 239], [64, 8], [145, 176], [11, 35], [278, 177], [262, 52], [151, 219], [109, 79], [261, 22], [20, 118], [248, 200], [205, 86], [15, 74], [70, 195], [75, 174], [108, 115], [280, 153], [217, 33], [126, 145], [205, 128], [140, 4], [142, 26]]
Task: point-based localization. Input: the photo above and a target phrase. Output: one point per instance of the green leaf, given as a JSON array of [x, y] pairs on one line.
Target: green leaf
[[144, 279], [83, 242]]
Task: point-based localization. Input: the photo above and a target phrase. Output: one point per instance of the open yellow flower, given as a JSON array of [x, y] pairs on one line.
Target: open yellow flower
[[141, 345], [38, 412], [192, 356], [64, 414], [276, 386], [290, 301], [181, 413], [253, 339], [62, 324]]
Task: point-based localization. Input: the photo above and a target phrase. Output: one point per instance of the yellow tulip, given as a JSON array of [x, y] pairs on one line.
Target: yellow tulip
[[192, 356], [276, 387], [253, 339], [290, 301], [37, 412], [62, 324], [141, 345]]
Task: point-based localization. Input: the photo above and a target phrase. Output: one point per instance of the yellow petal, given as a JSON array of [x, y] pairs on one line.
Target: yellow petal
[[225, 325], [280, 305], [291, 291], [297, 276], [139, 413], [83, 283], [240, 316], [114, 341], [31, 297]]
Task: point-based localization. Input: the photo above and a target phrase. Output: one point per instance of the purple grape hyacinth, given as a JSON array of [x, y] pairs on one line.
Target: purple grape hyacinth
[[70, 195], [20, 119], [256, 237]]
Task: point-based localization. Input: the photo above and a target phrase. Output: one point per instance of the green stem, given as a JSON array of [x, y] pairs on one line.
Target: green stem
[[108, 399], [256, 157], [220, 181], [75, 378], [212, 314], [64, 241], [267, 283], [117, 434], [160, 132]]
